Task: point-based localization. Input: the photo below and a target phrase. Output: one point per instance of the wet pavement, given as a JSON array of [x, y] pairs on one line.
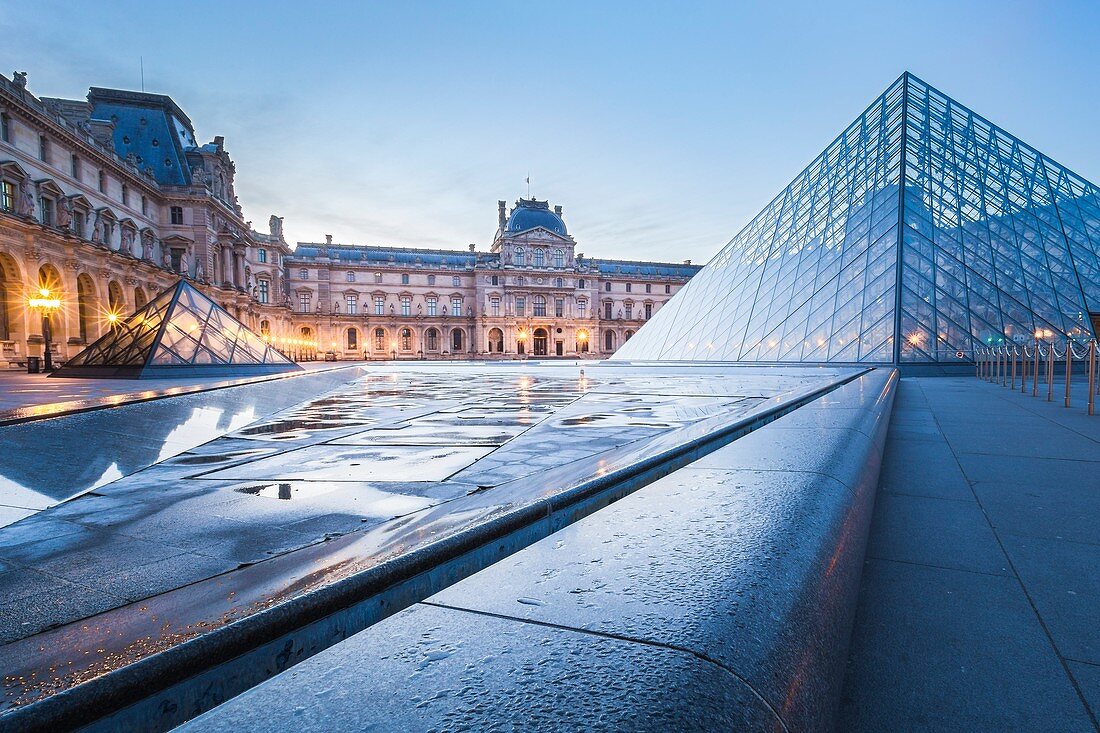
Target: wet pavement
[[344, 481]]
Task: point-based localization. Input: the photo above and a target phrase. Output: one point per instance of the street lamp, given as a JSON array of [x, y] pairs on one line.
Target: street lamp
[[45, 304]]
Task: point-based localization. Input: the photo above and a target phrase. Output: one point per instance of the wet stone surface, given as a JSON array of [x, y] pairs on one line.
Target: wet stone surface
[[398, 458]]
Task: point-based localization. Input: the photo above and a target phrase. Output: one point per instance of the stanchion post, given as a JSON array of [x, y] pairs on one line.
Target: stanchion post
[[1050, 372], [1092, 377], [1069, 368], [1035, 372]]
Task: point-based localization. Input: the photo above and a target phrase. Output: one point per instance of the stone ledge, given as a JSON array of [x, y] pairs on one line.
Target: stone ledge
[[754, 571]]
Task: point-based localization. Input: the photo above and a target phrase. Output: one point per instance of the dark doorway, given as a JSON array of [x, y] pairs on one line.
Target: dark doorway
[[559, 348], [540, 342]]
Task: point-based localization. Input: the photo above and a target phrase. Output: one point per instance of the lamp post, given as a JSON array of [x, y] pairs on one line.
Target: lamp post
[[45, 304]]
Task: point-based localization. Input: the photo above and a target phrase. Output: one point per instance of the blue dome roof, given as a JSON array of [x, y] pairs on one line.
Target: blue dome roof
[[531, 214]]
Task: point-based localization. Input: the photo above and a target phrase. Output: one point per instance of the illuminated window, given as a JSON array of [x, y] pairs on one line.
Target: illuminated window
[[433, 307], [379, 305], [263, 288], [406, 306], [540, 305], [352, 303]]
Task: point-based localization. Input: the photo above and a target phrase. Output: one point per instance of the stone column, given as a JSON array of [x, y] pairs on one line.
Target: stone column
[[227, 265], [238, 272]]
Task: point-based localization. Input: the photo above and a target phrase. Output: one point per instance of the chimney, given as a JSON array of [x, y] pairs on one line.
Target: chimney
[[687, 262], [500, 214], [557, 210], [472, 246], [328, 239]]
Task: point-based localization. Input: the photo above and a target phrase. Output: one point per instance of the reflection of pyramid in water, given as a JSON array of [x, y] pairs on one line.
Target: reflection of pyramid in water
[[997, 243], [180, 332]]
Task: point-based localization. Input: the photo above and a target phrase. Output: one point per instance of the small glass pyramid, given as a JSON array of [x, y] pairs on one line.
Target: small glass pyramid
[[921, 233], [180, 332]]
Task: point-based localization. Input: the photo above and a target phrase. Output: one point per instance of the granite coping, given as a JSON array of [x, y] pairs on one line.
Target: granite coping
[[746, 561], [426, 553]]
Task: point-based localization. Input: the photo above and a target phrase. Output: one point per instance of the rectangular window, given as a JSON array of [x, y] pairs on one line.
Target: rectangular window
[[648, 288], [47, 212], [582, 308], [406, 305], [648, 311], [494, 306], [494, 280], [456, 282], [5, 127], [629, 310], [607, 311], [303, 274], [144, 206], [262, 254], [668, 289], [176, 213], [352, 302], [379, 305], [559, 307], [540, 305], [456, 306], [433, 307], [74, 166], [378, 277], [264, 290], [125, 195], [404, 278], [521, 306], [7, 196], [379, 339], [607, 287], [431, 279], [628, 287], [303, 302], [102, 182], [78, 222], [43, 148]]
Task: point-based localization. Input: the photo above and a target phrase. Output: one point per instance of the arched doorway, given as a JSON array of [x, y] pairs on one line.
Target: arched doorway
[[458, 341], [496, 341], [353, 339], [49, 279], [86, 308], [116, 302], [539, 342], [379, 339], [431, 340], [139, 298], [406, 339], [609, 341], [9, 293]]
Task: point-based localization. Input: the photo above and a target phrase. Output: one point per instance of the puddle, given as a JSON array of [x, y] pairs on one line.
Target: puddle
[[286, 490]]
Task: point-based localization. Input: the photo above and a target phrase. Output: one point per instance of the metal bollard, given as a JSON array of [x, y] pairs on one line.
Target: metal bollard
[[1012, 373], [1092, 377], [1069, 367], [1023, 369], [1050, 372], [1035, 372]]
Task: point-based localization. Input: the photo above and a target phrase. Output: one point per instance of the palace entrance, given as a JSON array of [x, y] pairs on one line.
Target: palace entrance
[[540, 342]]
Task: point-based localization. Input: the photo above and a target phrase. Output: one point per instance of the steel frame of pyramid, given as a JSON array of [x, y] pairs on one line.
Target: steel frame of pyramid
[[179, 333], [997, 242]]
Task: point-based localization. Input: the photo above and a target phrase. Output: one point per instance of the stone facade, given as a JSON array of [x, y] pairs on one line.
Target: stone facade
[[109, 200]]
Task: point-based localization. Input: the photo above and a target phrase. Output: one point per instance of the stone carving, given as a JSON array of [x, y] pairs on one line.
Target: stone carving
[[19, 78], [25, 204], [128, 240], [97, 228], [147, 246], [64, 213], [200, 273], [275, 224], [166, 258], [198, 176]]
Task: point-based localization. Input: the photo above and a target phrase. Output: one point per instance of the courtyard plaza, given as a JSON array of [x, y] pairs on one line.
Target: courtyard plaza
[[251, 506]]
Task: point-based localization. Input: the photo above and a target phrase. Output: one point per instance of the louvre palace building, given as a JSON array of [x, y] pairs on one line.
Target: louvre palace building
[[107, 201]]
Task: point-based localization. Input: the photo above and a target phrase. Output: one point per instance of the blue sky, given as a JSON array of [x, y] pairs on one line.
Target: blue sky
[[662, 128]]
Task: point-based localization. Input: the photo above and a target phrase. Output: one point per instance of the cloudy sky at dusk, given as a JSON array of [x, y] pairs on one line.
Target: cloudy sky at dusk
[[661, 128]]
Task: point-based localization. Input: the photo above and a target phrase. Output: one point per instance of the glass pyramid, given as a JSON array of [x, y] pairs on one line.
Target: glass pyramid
[[921, 233], [181, 332]]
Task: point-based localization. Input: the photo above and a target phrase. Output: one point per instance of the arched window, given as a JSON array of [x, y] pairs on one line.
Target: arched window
[[406, 339], [265, 328], [353, 339], [540, 305], [85, 306], [116, 302], [559, 282], [431, 337], [139, 298], [379, 339], [457, 339], [559, 258], [581, 284], [540, 257], [609, 341], [496, 340], [519, 256], [627, 335]]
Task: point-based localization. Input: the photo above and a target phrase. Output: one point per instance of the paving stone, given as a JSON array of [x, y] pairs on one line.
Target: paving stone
[[948, 650]]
